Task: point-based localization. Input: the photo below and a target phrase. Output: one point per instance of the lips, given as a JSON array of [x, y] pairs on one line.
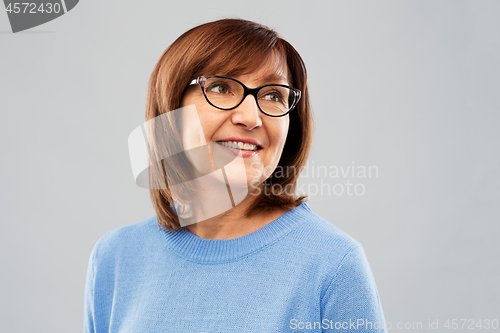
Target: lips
[[238, 151], [243, 147], [238, 145], [243, 140]]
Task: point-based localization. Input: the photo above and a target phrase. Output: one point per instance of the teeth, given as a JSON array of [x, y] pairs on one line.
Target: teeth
[[238, 145]]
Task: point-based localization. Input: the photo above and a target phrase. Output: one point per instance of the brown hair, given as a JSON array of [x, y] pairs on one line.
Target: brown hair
[[232, 47]]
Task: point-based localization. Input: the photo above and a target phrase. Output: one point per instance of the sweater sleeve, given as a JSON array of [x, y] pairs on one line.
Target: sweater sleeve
[[89, 313], [351, 302]]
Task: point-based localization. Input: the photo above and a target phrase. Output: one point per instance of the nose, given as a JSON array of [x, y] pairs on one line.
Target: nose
[[247, 114]]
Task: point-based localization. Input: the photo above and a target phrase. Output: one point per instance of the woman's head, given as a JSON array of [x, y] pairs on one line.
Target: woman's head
[[254, 55]]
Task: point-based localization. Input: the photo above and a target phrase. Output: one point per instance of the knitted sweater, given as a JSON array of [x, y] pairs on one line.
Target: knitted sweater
[[298, 273]]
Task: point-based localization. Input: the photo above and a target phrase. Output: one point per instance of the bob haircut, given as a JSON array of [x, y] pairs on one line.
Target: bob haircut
[[233, 47]]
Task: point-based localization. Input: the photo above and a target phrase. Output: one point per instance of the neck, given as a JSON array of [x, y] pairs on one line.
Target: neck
[[233, 223]]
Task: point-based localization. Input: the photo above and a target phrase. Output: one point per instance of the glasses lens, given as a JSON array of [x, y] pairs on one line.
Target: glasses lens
[[276, 100], [223, 93]]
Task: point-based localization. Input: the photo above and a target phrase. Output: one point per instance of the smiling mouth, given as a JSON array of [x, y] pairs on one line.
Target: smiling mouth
[[239, 145]]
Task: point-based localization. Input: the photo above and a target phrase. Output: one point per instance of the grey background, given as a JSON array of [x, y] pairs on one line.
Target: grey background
[[408, 86]]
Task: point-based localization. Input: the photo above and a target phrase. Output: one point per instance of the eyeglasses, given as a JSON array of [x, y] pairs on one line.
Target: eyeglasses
[[225, 93]]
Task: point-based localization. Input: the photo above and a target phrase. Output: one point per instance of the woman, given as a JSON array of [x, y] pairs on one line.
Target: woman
[[266, 262]]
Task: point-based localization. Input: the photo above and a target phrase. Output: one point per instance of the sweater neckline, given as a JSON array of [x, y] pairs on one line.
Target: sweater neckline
[[203, 250]]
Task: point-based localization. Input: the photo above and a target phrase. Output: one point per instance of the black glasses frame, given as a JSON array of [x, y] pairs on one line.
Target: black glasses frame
[[246, 91]]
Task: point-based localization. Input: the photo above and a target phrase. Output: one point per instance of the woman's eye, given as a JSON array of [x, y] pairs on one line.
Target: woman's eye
[[273, 97], [217, 88]]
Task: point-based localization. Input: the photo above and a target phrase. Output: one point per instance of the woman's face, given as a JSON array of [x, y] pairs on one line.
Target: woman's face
[[245, 124]]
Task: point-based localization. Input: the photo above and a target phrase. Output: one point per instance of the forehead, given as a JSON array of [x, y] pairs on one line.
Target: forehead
[[271, 68], [265, 74]]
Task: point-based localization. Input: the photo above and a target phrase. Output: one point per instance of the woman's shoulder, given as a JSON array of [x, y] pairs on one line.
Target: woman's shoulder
[[321, 239], [324, 233]]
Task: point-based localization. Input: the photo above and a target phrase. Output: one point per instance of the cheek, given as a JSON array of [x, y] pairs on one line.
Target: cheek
[[192, 131], [209, 123], [199, 125], [198, 128], [279, 134]]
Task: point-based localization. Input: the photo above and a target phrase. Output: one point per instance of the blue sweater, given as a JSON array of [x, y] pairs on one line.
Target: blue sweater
[[299, 273]]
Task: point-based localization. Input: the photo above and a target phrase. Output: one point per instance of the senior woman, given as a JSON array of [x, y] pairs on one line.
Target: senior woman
[[267, 262]]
